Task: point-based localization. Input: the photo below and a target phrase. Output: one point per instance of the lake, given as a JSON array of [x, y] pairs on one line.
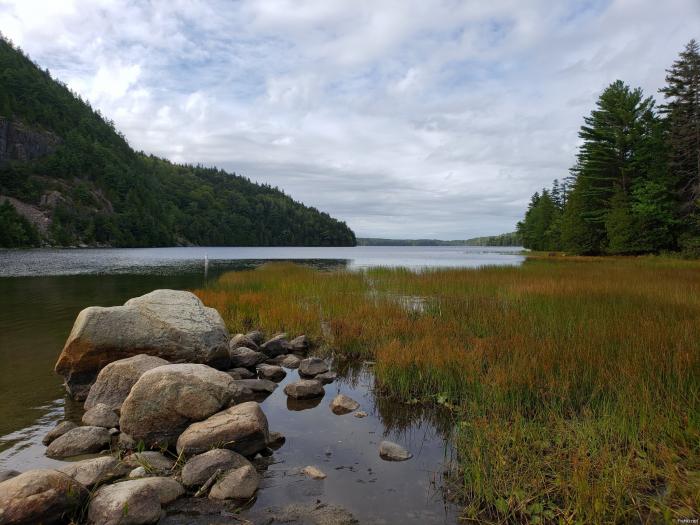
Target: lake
[[42, 291]]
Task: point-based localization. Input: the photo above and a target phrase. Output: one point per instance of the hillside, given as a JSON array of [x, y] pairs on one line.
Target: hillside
[[505, 239], [68, 177]]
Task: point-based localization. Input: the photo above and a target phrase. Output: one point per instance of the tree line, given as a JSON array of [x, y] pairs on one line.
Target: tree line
[[110, 195], [635, 185]]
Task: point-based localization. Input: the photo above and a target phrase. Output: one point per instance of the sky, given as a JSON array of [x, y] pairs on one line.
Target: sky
[[404, 118]]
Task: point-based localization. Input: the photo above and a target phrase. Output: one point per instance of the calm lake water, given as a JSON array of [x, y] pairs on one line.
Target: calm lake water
[[42, 291]]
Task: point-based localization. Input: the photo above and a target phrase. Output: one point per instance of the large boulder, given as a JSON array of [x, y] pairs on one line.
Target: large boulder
[[40, 496], [115, 380], [170, 324], [242, 428], [200, 468], [80, 440], [91, 472], [166, 400]]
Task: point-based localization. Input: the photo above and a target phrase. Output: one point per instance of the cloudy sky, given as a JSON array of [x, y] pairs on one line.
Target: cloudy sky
[[404, 118]]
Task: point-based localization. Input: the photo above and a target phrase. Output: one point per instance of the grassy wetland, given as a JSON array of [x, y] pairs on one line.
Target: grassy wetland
[[574, 383]]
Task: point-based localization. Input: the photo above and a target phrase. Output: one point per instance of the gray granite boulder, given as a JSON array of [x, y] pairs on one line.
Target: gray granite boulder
[[390, 451], [312, 366], [91, 472], [343, 404], [57, 431], [304, 389], [271, 372], [80, 440], [101, 415], [239, 484], [276, 346], [243, 357], [200, 468]]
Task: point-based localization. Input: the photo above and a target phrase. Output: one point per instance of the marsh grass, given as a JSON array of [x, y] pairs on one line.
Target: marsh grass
[[574, 381]]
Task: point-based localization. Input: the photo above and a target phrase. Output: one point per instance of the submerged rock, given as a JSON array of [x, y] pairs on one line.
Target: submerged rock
[[57, 431], [8, 474], [165, 400], [271, 372], [304, 389], [313, 472], [343, 404], [101, 415], [390, 451], [91, 472], [244, 357], [305, 514], [40, 496], [242, 428], [80, 440], [312, 366], [276, 440], [360, 414], [171, 324], [239, 483], [200, 468], [115, 380]]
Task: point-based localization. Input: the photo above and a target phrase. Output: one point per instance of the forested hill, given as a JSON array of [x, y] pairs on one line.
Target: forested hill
[[505, 239], [68, 177]]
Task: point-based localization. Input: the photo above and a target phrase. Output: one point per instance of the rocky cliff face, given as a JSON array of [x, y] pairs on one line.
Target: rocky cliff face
[[20, 142]]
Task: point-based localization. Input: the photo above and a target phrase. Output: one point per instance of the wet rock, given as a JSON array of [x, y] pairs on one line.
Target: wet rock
[[290, 361], [271, 372], [8, 474], [58, 431], [240, 484], [304, 389], [40, 496], [165, 400], [242, 428], [241, 373], [326, 377], [115, 380], [312, 366], [390, 451], [313, 472], [80, 440], [200, 468], [276, 440], [276, 346], [122, 503], [343, 404], [150, 460], [256, 336], [91, 472], [299, 344], [360, 414], [246, 358], [101, 415], [242, 340], [170, 324], [305, 514]]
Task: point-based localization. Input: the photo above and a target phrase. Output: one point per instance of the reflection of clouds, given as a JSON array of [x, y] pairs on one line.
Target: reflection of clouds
[[435, 119]]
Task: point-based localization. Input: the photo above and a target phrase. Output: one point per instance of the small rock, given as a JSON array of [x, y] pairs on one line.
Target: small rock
[[259, 387], [241, 373], [127, 502], [360, 413], [271, 372], [275, 346], [276, 440], [242, 428], [246, 357], [40, 496], [239, 484], [326, 377], [390, 451], [150, 460], [200, 468], [8, 474], [57, 431], [304, 389], [256, 336], [299, 344], [113, 431], [91, 472], [313, 472], [126, 442], [343, 404], [312, 366], [138, 472], [80, 440], [101, 415], [240, 340], [290, 361]]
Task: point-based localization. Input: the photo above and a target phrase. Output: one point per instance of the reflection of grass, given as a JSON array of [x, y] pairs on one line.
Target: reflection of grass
[[576, 381]]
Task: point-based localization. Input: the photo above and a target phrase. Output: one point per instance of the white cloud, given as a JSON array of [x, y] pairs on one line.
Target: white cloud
[[411, 118]]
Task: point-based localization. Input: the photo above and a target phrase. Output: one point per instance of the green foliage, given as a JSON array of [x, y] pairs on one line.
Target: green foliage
[[540, 230], [112, 195], [15, 230]]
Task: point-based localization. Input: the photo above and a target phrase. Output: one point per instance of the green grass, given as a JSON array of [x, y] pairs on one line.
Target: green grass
[[574, 381]]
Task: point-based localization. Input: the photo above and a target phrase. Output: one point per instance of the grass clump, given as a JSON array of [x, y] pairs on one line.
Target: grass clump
[[575, 381]]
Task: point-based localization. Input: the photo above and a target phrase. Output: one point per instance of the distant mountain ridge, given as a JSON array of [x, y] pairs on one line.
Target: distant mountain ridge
[[505, 239], [68, 177]]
